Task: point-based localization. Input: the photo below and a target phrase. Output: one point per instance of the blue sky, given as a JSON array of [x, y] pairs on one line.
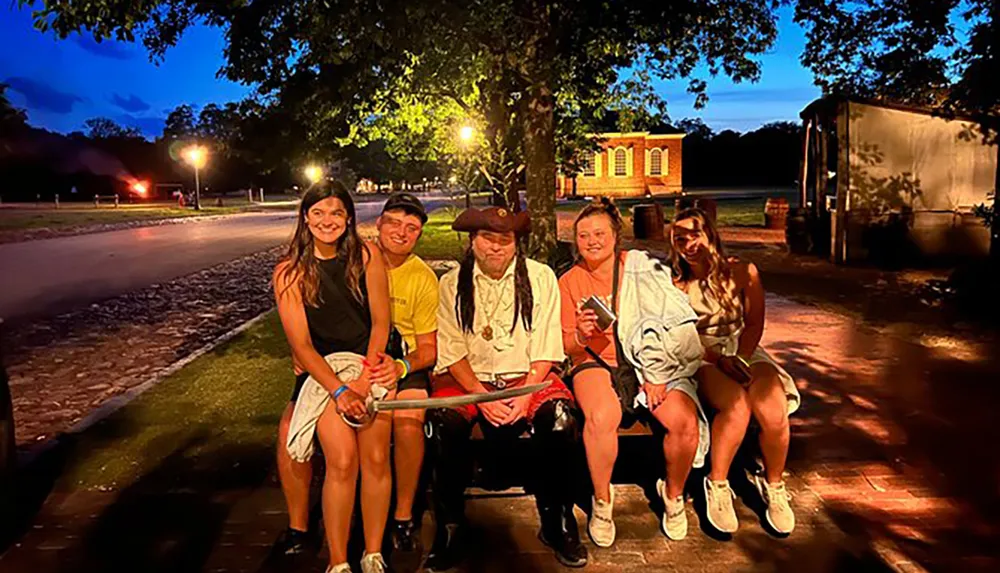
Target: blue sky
[[61, 83]]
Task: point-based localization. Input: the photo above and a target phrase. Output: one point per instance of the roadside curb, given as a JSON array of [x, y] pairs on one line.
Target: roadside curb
[[118, 402]]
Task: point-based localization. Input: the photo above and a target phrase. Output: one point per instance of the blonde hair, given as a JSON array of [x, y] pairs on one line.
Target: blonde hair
[[720, 272]]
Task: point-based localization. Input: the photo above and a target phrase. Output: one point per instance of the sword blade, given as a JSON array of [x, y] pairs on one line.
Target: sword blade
[[455, 401]]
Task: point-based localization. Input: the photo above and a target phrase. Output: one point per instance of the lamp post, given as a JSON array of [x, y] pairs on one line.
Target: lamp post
[[465, 135], [196, 156], [314, 173]]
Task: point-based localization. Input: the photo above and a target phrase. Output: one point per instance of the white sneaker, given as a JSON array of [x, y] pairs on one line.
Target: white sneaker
[[779, 513], [373, 563], [719, 505], [675, 521], [601, 526], [342, 568]]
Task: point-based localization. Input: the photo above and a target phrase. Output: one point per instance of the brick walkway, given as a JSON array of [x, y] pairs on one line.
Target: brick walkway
[[878, 467]]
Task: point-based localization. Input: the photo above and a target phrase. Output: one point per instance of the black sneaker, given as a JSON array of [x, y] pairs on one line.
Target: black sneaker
[[406, 549], [291, 542]]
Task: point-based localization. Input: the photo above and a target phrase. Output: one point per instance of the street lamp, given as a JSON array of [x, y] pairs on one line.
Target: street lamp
[[196, 156], [314, 173], [466, 133]]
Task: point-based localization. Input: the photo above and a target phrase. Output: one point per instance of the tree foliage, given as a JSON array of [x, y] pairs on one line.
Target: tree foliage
[[939, 53], [11, 118], [532, 72], [181, 123], [105, 128]]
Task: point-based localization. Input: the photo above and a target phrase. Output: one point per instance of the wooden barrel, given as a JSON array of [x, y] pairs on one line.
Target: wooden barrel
[[775, 213], [647, 222], [798, 235], [709, 206]]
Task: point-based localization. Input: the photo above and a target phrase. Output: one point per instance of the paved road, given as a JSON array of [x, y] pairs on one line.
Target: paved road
[[54, 275]]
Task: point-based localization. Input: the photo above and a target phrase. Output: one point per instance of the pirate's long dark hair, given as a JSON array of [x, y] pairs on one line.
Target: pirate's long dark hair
[[303, 267], [465, 302]]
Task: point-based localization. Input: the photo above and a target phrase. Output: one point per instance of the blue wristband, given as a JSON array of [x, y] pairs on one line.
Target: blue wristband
[[339, 391], [409, 368]]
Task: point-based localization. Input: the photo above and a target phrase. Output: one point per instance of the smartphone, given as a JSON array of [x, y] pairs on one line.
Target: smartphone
[[605, 316]]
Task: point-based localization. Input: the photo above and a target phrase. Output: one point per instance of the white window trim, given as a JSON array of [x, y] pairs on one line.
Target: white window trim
[[664, 169], [612, 164], [594, 163]]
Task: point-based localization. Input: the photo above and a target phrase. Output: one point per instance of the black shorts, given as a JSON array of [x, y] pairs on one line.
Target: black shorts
[[300, 381], [419, 380]]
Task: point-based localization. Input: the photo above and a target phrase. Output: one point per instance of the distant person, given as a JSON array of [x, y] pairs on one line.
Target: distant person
[[666, 350], [333, 296], [413, 290], [498, 328], [739, 379]]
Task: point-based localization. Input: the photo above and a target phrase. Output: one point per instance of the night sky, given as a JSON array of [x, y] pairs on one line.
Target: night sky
[[63, 83]]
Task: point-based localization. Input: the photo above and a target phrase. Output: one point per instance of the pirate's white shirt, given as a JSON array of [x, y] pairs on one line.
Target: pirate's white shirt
[[504, 352]]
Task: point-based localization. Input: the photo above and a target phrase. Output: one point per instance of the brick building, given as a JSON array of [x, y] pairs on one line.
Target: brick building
[[628, 165]]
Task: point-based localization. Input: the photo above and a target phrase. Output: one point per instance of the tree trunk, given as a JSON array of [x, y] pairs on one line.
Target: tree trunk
[[539, 137], [540, 170], [995, 225]]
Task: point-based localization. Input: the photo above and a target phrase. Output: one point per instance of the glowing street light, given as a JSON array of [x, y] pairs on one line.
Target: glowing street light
[[140, 187], [196, 156], [314, 173], [466, 133]]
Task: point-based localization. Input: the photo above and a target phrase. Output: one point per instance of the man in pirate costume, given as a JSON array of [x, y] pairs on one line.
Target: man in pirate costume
[[498, 328]]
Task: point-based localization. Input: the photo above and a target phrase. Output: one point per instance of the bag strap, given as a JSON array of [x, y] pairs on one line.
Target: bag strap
[[614, 331]]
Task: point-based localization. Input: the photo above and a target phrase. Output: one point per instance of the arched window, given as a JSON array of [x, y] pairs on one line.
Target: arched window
[[656, 162], [621, 162], [587, 161]]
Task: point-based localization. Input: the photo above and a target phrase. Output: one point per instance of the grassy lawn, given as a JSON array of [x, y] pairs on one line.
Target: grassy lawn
[[27, 218], [731, 212], [215, 418], [438, 240]]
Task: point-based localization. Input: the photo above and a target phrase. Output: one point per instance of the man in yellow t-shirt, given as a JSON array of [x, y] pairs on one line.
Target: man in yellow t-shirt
[[413, 290]]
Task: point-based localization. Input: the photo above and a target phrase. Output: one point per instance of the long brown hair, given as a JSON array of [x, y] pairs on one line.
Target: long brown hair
[[720, 272], [465, 301], [303, 266], [600, 206]]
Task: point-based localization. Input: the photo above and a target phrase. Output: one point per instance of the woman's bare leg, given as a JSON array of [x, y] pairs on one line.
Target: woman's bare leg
[[770, 407], [340, 448], [730, 423], [295, 477], [376, 479], [679, 416], [602, 414]]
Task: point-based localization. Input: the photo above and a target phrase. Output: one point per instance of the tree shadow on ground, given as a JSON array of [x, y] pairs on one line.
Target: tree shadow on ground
[[921, 412], [168, 519]]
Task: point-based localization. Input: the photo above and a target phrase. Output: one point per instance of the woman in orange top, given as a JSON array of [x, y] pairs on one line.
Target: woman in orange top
[[597, 230]]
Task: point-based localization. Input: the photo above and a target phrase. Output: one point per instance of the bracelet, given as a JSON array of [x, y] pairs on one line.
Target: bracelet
[[576, 337], [336, 393], [406, 366], [742, 360]]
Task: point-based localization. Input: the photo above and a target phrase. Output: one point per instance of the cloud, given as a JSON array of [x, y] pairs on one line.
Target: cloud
[[131, 104], [42, 97], [756, 94], [105, 49]]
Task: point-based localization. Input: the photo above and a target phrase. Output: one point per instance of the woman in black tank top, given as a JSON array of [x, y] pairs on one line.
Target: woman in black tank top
[[333, 296]]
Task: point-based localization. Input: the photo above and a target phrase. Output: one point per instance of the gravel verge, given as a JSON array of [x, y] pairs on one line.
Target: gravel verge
[[62, 368]]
